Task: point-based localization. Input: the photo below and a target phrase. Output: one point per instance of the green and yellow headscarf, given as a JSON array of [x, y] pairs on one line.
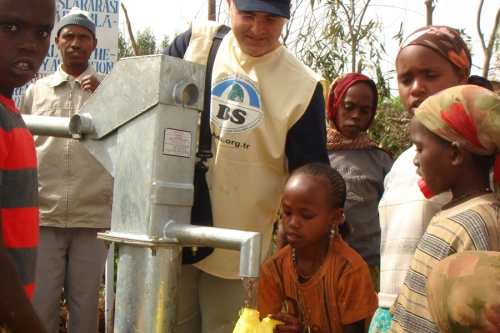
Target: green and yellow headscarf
[[463, 292], [468, 114]]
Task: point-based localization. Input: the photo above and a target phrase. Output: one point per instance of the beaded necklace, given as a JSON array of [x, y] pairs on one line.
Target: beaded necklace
[[305, 317], [468, 194]]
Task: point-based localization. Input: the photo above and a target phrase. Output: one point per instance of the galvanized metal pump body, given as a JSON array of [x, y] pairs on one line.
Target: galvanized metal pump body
[[141, 124]]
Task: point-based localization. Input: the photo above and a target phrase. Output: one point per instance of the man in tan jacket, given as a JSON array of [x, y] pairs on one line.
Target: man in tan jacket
[[75, 191]]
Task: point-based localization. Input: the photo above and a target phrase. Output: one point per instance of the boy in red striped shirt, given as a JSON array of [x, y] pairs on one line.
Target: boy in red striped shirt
[[25, 27]]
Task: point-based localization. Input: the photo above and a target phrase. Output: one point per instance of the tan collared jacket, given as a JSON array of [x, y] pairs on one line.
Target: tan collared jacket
[[74, 189]]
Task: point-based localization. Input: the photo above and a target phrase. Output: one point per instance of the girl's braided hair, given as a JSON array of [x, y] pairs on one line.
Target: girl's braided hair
[[336, 189]]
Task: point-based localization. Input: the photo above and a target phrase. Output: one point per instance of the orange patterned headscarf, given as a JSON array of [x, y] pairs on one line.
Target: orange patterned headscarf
[[467, 114], [444, 40]]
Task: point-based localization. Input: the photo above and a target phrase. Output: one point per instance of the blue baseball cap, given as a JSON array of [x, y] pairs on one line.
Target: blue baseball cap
[[276, 7]]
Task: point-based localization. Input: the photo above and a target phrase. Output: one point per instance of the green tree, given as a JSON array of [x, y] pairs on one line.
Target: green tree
[[146, 42], [333, 37], [124, 49], [164, 43], [391, 126], [495, 67]]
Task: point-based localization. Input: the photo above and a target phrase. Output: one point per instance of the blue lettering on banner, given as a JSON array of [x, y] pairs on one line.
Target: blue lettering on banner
[[101, 21], [18, 92], [44, 64], [103, 6], [103, 66], [55, 64], [100, 54], [53, 52]]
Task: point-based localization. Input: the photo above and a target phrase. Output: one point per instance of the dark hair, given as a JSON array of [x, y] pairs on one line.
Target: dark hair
[[480, 81], [335, 185], [483, 162]]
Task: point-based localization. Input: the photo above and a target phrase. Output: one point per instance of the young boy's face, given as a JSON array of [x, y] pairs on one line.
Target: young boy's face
[[25, 27]]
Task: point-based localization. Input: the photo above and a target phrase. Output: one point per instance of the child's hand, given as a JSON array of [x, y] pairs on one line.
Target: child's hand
[[292, 324]]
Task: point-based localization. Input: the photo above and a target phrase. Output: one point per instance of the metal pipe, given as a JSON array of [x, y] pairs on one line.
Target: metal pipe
[[248, 243], [48, 126], [146, 290], [109, 295]]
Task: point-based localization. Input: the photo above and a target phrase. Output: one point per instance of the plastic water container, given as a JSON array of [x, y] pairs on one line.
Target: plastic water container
[[249, 322], [425, 189]]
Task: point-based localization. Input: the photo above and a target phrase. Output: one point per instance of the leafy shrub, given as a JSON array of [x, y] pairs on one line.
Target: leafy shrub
[[391, 127]]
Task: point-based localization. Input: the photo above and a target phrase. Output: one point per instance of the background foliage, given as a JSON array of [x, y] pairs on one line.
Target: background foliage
[[146, 43]]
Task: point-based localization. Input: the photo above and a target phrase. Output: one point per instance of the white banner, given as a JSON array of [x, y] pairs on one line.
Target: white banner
[[104, 13]]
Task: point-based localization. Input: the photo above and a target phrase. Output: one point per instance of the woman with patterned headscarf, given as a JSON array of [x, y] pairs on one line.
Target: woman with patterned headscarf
[[457, 139], [431, 59], [350, 110]]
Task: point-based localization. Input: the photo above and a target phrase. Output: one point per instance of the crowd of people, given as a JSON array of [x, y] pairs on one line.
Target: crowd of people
[[363, 245]]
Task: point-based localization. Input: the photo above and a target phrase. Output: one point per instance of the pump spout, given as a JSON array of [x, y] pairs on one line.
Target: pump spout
[[248, 243]]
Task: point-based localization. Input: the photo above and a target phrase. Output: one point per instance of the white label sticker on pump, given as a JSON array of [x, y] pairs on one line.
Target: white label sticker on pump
[[177, 143]]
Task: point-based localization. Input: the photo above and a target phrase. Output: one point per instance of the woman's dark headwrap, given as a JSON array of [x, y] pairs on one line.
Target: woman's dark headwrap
[[444, 40]]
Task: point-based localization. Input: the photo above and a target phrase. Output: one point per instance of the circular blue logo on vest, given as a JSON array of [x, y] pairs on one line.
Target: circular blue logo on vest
[[236, 105]]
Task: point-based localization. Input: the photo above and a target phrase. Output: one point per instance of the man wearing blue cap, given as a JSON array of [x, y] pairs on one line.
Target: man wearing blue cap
[[75, 191], [267, 119]]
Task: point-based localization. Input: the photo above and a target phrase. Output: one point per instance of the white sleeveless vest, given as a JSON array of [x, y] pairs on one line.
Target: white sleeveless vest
[[255, 101]]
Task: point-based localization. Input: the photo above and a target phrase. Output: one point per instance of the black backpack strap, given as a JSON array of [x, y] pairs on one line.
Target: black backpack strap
[[201, 212], [205, 139]]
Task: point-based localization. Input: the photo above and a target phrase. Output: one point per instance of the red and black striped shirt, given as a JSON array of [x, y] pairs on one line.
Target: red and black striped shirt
[[19, 192]]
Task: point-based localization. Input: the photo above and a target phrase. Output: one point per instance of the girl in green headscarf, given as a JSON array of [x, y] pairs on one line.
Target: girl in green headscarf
[[457, 139]]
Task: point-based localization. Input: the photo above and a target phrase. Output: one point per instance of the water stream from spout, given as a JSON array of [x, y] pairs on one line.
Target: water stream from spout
[[251, 285]]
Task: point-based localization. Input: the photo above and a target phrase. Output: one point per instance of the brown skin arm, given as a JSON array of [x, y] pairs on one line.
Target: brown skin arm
[[16, 310], [89, 83], [357, 327]]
